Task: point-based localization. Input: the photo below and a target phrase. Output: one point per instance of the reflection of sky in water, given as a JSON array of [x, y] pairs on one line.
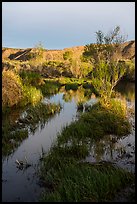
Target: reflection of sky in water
[[26, 186], [22, 186], [121, 152]]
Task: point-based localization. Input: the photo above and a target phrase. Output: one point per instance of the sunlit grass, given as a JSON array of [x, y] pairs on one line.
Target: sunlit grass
[[31, 95], [63, 174]]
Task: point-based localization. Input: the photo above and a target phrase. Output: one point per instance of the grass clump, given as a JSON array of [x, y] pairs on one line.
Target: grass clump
[[31, 95], [16, 127], [99, 121], [16, 93], [31, 78], [38, 115], [66, 178], [12, 92], [112, 119], [11, 140], [50, 87], [84, 182]]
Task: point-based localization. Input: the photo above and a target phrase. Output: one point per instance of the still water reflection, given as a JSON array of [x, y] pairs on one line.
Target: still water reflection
[[19, 185]]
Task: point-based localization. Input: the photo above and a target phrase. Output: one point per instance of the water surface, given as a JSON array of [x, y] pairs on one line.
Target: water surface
[[23, 185]]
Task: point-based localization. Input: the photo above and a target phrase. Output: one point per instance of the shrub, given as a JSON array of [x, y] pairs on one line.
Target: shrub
[[12, 92], [31, 78], [31, 95], [67, 55], [130, 70]]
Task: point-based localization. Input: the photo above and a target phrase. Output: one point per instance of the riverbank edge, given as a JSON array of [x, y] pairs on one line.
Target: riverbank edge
[[71, 156]]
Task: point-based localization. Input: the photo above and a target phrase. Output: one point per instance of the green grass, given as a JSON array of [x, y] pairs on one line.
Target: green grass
[[50, 87], [72, 86], [98, 122], [35, 116], [63, 174], [12, 140], [84, 182], [31, 95], [67, 80], [29, 77]]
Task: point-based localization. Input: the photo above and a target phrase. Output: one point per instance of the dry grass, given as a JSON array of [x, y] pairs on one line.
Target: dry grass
[[11, 88]]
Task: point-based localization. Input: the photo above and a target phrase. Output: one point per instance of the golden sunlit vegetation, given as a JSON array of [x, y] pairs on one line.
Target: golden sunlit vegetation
[[93, 72], [12, 92]]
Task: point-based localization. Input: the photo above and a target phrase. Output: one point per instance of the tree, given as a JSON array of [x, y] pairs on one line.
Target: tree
[[106, 76], [39, 50], [108, 69], [105, 48]]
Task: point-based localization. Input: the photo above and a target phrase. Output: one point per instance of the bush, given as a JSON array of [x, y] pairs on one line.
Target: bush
[[67, 55], [31, 78], [12, 92], [130, 71], [31, 95]]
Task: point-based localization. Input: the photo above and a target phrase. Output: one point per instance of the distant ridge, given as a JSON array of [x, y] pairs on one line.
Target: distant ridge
[[127, 52]]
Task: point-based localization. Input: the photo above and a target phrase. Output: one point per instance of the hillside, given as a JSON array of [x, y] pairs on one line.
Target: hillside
[[127, 51]]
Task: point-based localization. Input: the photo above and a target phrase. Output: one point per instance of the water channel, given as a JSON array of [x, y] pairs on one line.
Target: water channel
[[23, 185]]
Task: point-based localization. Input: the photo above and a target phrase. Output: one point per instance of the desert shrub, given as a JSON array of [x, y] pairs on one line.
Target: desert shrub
[[12, 92], [31, 78], [15, 92], [67, 55]]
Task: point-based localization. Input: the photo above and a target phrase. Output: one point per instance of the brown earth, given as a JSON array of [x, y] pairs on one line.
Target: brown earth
[[127, 51]]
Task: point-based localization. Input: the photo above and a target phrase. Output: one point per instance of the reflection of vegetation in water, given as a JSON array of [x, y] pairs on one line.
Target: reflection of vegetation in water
[[72, 86], [65, 177], [15, 129], [50, 87], [99, 150], [11, 137], [127, 90], [98, 122], [38, 115], [80, 95], [106, 148]]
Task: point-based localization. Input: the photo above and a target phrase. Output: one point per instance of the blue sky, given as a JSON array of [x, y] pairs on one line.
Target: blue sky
[[58, 25]]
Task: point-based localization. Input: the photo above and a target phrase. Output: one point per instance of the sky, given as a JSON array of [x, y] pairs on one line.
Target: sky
[[58, 25]]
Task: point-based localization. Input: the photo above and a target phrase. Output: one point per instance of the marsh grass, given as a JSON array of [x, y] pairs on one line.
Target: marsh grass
[[50, 87], [98, 122], [31, 78], [31, 95], [14, 132], [12, 140], [37, 115], [66, 178], [84, 182], [16, 93]]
